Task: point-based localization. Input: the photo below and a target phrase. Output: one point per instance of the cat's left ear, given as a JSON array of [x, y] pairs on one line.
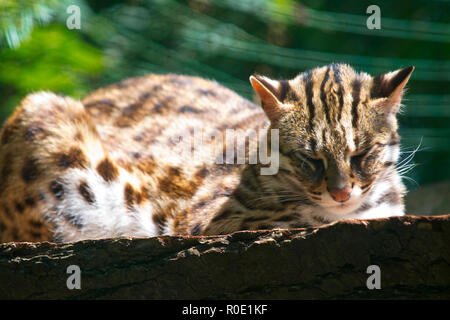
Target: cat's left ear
[[272, 94], [387, 90]]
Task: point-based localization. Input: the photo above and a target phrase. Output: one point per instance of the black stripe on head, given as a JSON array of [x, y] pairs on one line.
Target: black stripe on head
[[313, 145], [283, 90], [338, 80], [323, 96], [356, 91], [309, 98]]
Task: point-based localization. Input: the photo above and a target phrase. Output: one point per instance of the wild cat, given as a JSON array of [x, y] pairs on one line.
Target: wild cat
[[108, 166]]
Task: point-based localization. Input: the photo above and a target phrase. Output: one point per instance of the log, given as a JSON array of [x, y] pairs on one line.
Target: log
[[327, 262]]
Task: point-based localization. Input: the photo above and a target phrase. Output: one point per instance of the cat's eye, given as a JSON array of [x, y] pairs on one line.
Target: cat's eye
[[357, 159], [315, 163]]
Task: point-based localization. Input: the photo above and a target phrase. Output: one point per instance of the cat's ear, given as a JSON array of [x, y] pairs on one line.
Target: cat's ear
[[272, 94], [387, 90]]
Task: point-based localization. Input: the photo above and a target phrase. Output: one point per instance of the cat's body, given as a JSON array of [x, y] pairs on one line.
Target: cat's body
[[114, 164]]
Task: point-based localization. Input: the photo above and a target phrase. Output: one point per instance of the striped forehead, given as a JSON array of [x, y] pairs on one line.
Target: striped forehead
[[331, 99]]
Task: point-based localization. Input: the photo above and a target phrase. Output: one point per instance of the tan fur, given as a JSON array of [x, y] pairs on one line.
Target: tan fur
[[52, 147]]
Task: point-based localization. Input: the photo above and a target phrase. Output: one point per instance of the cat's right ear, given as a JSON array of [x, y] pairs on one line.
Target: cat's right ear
[[271, 93]]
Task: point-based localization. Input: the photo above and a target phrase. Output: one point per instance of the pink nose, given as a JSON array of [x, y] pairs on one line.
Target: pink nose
[[340, 195]]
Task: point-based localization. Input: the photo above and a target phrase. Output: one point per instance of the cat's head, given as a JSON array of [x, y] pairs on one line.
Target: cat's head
[[337, 129]]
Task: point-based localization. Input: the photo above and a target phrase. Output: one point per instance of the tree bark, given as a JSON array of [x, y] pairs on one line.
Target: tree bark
[[328, 262]]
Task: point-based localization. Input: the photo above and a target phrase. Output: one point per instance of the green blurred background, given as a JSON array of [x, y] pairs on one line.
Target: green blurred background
[[228, 40]]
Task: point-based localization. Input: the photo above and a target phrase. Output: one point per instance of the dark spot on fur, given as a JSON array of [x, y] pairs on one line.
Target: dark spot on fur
[[200, 205], [320, 219], [244, 226], [72, 159], [139, 137], [189, 109], [30, 170], [78, 136], [35, 234], [74, 220], [36, 224], [391, 198], [144, 193], [222, 215], [107, 170], [34, 131], [206, 92], [30, 202], [159, 219], [202, 173], [136, 155], [15, 234], [159, 108], [145, 96], [8, 131], [241, 196], [176, 185], [100, 108], [57, 189], [106, 102], [133, 112], [20, 207], [196, 230], [6, 171], [179, 80], [147, 165], [126, 165], [130, 110], [129, 195], [174, 172], [86, 192], [8, 212]]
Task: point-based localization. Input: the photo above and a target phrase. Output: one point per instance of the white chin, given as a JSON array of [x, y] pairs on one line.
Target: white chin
[[342, 208]]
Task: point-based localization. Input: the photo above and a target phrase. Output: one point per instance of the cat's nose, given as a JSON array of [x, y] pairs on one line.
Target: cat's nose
[[340, 195]]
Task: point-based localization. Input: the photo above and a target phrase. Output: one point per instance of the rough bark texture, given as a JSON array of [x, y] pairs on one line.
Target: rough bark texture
[[413, 253]]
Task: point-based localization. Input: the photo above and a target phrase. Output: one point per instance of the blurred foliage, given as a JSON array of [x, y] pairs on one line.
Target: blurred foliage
[[52, 60], [227, 40], [18, 17]]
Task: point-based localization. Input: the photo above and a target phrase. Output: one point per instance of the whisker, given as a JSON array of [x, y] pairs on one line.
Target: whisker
[[410, 179], [411, 154], [276, 196]]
